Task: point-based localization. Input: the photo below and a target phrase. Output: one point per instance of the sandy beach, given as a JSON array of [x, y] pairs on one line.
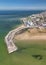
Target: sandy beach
[[28, 36]]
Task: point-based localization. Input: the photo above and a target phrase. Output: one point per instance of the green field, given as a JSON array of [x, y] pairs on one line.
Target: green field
[[27, 50]]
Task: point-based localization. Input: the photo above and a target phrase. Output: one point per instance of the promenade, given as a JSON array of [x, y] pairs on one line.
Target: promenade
[[9, 39]]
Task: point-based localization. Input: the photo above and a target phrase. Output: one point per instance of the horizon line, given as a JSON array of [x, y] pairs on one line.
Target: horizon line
[[22, 9]]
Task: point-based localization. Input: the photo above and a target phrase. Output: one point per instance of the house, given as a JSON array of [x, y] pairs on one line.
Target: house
[[29, 23], [44, 24]]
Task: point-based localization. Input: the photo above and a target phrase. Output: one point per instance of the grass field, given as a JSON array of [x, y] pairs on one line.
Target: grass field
[[25, 54]]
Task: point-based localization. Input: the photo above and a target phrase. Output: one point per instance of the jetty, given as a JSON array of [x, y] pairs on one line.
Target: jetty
[[9, 39]]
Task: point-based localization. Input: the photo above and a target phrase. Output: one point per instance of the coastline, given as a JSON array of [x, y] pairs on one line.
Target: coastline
[[9, 37]]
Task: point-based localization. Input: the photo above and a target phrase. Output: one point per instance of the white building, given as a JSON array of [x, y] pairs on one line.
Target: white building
[[29, 23], [44, 24]]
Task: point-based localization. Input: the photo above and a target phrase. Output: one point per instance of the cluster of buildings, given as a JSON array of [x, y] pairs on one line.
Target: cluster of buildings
[[35, 20]]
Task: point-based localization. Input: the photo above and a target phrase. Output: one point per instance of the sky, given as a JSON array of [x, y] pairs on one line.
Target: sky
[[22, 4]]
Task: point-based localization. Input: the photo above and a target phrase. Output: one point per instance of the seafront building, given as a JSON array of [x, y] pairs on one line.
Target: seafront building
[[35, 20]]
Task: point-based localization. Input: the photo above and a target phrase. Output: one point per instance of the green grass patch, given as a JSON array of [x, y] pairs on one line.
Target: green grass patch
[[23, 56]]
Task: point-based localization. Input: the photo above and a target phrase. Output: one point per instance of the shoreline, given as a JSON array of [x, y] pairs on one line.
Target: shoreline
[[9, 39], [37, 37], [28, 24], [29, 36]]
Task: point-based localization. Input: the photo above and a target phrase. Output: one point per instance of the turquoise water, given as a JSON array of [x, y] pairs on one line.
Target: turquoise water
[[6, 24], [10, 19]]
